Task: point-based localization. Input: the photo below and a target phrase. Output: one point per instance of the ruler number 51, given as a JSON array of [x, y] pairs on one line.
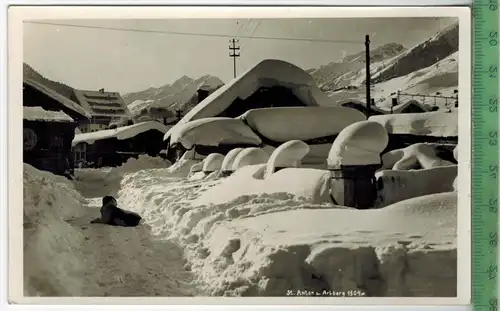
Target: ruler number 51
[[493, 205]]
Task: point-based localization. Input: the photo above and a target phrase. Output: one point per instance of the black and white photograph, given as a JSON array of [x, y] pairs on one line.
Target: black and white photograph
[[241, 156]]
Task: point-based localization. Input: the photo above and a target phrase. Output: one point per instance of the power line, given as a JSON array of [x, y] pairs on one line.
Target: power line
[[198, 34]]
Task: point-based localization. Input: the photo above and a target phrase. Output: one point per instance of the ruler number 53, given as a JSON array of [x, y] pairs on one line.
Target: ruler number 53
[[493, 304], [493, 138]]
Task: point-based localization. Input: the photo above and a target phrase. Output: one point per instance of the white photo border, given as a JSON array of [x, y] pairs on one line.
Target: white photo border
[[16, 15]]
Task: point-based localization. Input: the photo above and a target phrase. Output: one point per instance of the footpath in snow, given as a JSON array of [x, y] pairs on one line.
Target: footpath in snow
[[65, 255]]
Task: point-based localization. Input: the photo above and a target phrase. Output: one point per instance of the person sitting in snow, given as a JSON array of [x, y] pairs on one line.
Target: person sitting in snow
[[112, 215]]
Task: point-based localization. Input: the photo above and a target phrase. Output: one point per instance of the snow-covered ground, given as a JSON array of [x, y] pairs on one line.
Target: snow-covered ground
[[65, 255], [266, 243]]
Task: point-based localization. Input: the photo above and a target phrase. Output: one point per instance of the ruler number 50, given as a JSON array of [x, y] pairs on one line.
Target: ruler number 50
[[493, 38]]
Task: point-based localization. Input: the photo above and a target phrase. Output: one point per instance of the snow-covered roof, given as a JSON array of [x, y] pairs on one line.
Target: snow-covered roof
[[40, 114], [120, 133], [282, 124], [269, 72], [57, 97], [214, 131], [438, 124], [385, 110]]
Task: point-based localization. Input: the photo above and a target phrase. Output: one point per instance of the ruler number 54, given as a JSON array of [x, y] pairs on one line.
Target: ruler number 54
[[493, 169]]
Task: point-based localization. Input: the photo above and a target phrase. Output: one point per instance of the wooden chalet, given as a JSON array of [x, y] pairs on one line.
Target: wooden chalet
[[113, 147], [49, 122]]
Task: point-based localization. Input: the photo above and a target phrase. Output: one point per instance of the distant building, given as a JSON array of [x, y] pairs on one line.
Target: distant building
[[112, 147], [49, 122], [105, 108]]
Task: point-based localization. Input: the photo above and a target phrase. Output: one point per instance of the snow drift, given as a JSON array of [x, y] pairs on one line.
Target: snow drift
[[360, 143], [287, 123], [416, 156], [249, 156], [227, 164], [288, 154], [309, 184], [269, 72], [437, 124], [264, 244], [214, 132], [120, 133], [394, 186], [212, 162]]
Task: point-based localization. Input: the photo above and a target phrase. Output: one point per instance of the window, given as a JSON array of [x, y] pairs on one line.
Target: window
[[30, 139]]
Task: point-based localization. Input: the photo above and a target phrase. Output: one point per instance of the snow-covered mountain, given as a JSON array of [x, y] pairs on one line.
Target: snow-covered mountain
[[340, 74], [180, 95], [429, 68]]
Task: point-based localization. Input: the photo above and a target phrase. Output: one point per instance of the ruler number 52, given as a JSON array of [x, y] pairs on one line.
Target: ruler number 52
[[493, 304], [493, 38], [493, 71], [493, 138]]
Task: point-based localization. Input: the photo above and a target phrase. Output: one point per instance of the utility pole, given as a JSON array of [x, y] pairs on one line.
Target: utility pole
[[232, 53], [367, 52]]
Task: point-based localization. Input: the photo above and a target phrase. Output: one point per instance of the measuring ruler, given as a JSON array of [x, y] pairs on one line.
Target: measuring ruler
[[485, 153]]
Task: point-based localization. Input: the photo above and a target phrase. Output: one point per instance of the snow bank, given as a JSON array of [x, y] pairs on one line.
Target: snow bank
[[266, 244], [213, 162], [250, 156], [120, 133], [213, 132], [309, 184], [438, 124], [413, 157], [65, 255], [47, 201], [288, 154], [394, 186], [358, 144], [106, 181], [40, 114], [267, 73], [227, 164], [288, 123]]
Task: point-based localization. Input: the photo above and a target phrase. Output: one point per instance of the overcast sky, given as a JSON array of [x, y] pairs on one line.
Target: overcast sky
[[124, 61]]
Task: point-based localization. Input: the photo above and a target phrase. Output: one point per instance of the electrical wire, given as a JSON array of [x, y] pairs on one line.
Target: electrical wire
[[198, 34]]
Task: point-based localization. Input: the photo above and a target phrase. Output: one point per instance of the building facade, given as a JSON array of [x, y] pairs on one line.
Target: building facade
[[105, 108]]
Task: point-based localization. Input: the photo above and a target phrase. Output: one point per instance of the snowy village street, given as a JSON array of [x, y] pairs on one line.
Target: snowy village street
[[341, 180]]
